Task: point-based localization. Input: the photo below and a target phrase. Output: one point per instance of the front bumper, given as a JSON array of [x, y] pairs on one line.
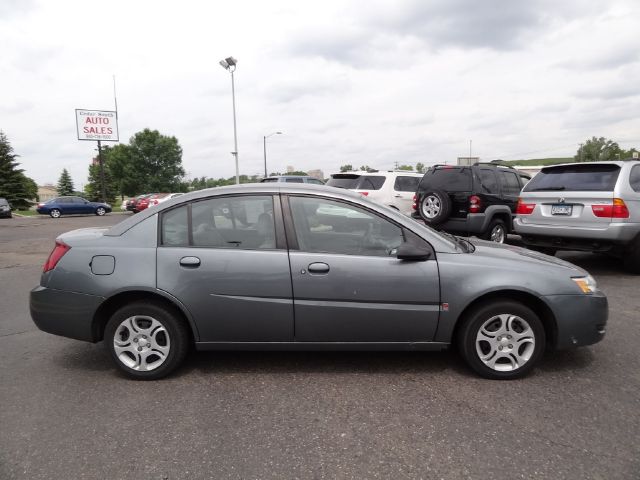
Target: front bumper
[[580, 319], [68, 314]]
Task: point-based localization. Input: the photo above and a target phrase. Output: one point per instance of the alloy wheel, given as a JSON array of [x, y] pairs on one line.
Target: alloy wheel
[[431, 206], [505, 342], [498, 234], [141, 343]]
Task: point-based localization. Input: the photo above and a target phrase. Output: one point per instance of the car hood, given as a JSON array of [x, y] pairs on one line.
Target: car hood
[[501, 252]]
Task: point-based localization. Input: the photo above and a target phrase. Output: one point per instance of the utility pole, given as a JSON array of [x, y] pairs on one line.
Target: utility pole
[[102, 185], [581, 152]]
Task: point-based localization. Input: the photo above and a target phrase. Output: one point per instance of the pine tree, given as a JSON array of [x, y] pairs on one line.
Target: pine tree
[[18, 189], [65, 184]]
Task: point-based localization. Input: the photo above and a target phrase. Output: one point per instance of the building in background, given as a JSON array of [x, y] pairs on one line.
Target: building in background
[[47, 192], [468, 160], [319, 174]]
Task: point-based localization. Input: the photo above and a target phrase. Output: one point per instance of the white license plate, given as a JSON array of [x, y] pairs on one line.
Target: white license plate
[[561, 209]]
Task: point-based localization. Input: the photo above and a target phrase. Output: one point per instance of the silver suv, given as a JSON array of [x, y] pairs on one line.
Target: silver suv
[[591, 206]]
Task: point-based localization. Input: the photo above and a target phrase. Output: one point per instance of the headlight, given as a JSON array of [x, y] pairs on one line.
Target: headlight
[[587, 284]]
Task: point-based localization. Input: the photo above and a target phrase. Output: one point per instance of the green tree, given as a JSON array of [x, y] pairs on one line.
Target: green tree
[[93, 188], [346, 168], [420, 167], [406, 167], [157, 160], [15, 186], [65, 184], [598, 149], [368, 169]]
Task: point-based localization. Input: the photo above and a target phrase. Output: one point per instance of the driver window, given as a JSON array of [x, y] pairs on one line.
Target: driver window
[[328, 226]]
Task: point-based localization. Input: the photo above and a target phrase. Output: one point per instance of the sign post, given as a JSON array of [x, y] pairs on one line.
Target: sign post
[[100, 126]]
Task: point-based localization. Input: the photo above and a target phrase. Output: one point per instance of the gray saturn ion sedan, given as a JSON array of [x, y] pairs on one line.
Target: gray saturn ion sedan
[[307, 267]]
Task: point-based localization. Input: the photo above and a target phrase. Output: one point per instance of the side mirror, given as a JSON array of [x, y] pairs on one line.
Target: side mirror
[[416, 253]]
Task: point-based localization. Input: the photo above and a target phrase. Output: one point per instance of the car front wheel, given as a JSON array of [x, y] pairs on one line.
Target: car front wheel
[[55, 213], [100, 211], [146, 340], [501, 340]]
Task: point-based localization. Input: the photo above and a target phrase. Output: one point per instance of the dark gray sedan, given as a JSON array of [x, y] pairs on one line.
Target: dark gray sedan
[[304, 267]]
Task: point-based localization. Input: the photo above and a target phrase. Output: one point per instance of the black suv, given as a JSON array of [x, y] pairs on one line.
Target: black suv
[[479, 199]]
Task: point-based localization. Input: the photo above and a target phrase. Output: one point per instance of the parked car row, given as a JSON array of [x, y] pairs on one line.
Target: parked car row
[[593, 206], [146, 200]]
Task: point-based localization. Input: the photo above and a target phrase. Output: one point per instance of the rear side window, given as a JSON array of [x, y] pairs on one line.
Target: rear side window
[[450, 179], [294, 180], [357, 182], [314, 181], [575, 178], [488, 183], [268, 180], [634, 178], [509, 183], [406, 184], [175, 227]]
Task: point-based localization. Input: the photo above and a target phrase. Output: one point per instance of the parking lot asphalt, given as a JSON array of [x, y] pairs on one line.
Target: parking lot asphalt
[[66, 413]]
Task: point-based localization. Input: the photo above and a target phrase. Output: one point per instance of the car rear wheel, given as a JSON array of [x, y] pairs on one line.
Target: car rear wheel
[[55, 213], [100, 211], [146, 340], [501, 340], [497, 231], [435, 207]]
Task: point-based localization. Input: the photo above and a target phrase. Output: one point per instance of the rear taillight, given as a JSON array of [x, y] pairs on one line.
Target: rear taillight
[[617, 209], [364, 193], [54, 257], [474, 204], [414, 205], [155, 202], [525, 208]]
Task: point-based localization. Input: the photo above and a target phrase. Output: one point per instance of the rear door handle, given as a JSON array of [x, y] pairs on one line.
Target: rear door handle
[[398, 195], [318, 268], [192, 262]]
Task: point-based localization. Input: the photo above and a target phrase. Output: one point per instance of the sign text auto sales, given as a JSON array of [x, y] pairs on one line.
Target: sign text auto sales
[[97, 125]]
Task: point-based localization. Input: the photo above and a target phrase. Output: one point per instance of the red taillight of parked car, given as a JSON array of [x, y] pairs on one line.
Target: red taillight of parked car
[[56, 254], [414, 205], [525, 208], [475, 205], [617, 209]]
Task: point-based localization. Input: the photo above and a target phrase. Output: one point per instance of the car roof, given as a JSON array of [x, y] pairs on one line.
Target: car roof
[[619, 163]]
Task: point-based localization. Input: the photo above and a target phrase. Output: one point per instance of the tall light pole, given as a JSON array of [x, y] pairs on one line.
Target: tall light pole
[[264, 144], [230, 64]]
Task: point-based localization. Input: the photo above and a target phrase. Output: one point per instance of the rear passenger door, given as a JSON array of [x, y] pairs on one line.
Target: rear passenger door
[[225, 259], [404, 188]]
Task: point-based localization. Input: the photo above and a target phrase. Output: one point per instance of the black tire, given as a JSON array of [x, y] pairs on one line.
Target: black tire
[[631, 257], [101, 211], [55, 213], [175, 338], [517, 356], [496, 232], [435, 207]]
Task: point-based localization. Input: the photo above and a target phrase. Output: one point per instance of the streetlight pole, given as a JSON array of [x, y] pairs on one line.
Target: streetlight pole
[[264, 145], [230, 64]]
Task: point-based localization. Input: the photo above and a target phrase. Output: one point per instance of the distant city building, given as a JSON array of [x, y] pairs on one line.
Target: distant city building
[[47, 192], [290, 168], [319, 174], [468, 160]]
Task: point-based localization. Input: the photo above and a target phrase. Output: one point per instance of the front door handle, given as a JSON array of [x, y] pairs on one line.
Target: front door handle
[[318, 268], [192, 262]]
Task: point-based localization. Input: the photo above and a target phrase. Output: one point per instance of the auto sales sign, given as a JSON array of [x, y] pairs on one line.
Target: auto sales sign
[[97, 125]]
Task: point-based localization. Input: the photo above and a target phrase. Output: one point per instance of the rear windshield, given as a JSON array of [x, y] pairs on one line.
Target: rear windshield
[[450, 179], [356, 182], [575, 178]]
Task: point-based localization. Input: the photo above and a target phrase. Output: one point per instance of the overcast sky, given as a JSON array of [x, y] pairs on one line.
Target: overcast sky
[[368, 82]]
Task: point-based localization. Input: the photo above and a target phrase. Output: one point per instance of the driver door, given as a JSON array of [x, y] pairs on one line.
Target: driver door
[[348, 286]]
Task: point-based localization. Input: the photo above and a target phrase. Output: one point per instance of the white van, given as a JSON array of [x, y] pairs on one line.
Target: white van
[[393, 188]]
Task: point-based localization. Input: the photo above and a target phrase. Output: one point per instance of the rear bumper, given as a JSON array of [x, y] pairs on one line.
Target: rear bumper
[[612, 233], [580, 319], [67, 314]]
